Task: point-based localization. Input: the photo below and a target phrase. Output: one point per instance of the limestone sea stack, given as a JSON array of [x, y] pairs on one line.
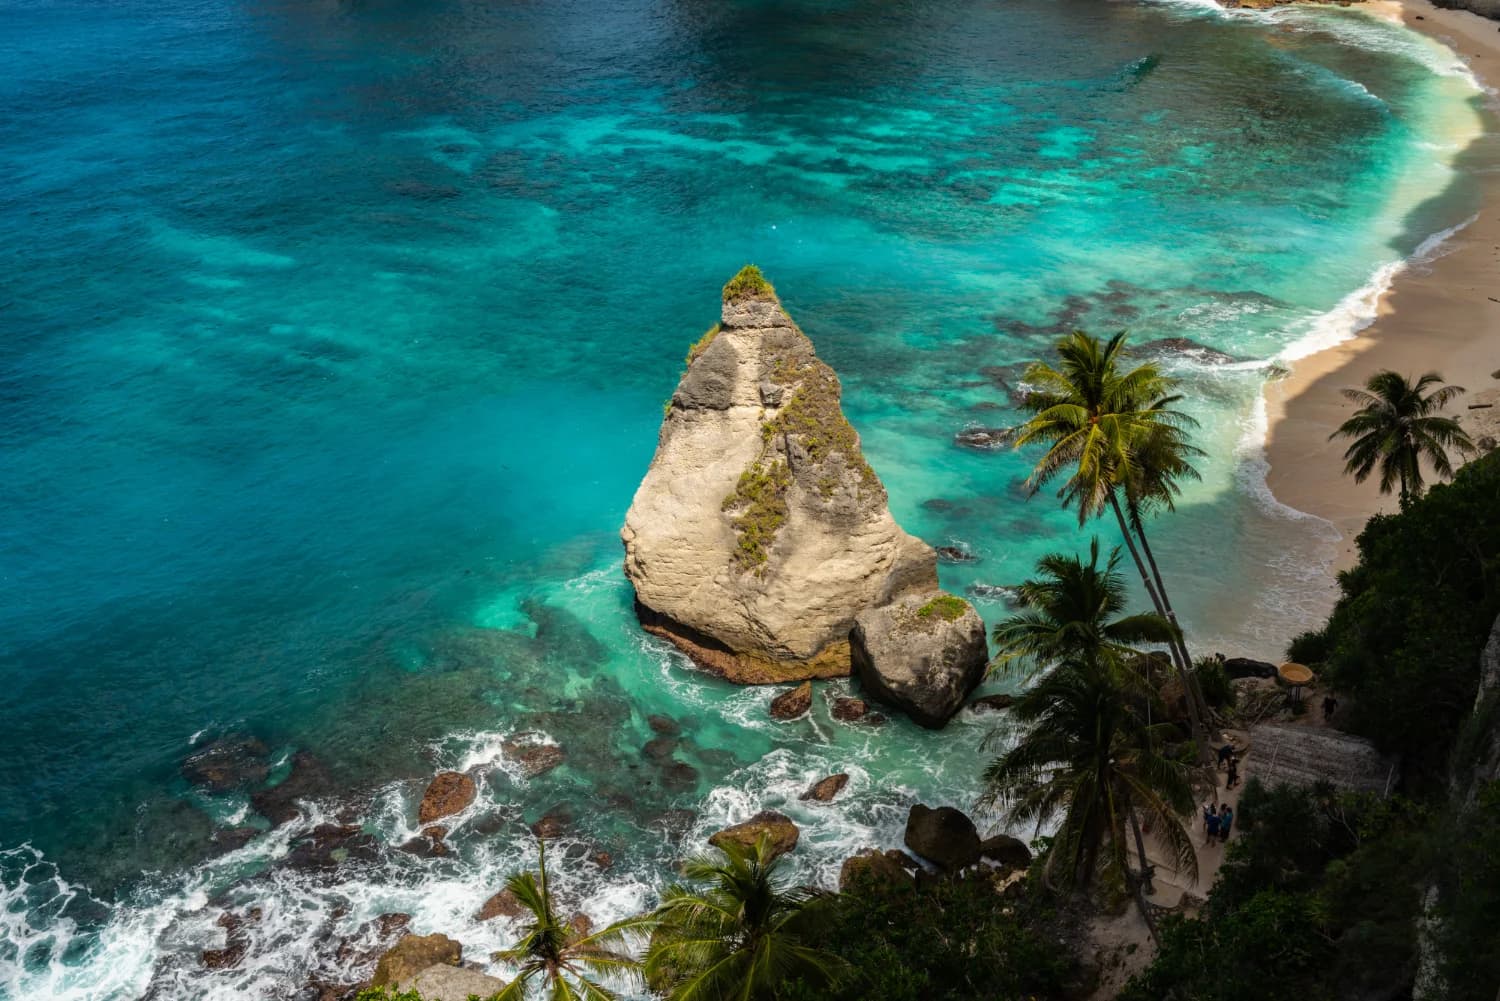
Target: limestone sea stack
[[760, 532]]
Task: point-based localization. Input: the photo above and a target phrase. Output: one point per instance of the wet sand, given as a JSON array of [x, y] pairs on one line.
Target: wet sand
[[1441, 316]]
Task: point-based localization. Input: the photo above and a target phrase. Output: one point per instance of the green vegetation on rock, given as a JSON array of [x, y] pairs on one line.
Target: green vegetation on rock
[[703, 342], [758, 504], [945, 607], [749, 283]]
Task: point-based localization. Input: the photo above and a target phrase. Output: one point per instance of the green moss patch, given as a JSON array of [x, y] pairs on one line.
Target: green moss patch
[[759, 507], [945, 607], [702, 343], [749, 283]]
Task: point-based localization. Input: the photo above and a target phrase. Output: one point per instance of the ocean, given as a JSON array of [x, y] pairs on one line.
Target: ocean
[[334, 337]]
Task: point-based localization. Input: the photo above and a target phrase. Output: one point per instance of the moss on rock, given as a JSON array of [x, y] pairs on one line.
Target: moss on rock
[[944, 606], [749, 283]]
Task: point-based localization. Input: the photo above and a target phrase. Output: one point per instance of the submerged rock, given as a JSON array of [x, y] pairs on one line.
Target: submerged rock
[[449, 793], [923, 655], [308, 779], [945, 837], [956, 554], [228, 763], [760, 531], [777, 827], [984, 439]]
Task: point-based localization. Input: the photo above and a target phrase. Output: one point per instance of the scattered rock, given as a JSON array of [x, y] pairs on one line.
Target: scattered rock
[[660, 749], [922, 654], [228, 763], [328, 845], [945, 837], [453, 983], [534, 759], [412, 955], [999, 593], [676, 822], [679, 776], [984, 439], [604, 860], [436, 832], [425, 847], [663, 725], [223, 959], [553, 823], [790, 705], [875, 870], [1006, 850], [449, 793], [502, 905], [992, 703], [955, 554], [825, 789], [308, 779], [850, 710], [1182, 346], [778, 827], [233, 838]]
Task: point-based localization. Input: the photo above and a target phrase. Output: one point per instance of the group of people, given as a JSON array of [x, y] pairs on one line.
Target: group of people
[[1218, 818]]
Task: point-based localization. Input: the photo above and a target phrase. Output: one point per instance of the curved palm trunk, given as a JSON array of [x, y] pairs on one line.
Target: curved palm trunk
[[1194, 690], [1142, 886], [1200, 732], [1140, 849]]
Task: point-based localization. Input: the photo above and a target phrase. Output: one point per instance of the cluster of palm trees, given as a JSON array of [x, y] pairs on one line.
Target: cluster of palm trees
[[734, 932]]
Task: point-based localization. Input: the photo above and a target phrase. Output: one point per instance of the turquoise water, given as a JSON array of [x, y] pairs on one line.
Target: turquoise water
[[334, 344]]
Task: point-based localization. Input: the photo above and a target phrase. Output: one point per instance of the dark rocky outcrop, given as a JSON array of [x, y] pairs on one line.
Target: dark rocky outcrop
[[992, 703], [308, 780], [944, 836], [872, 869], [852, 710], [923, 655], [329, 845], [955, 554], [232, 762], [824, 790], [777, 827], [663, 726], [790, 705], [533, 757], [1006, 850], [448, 793], [985, 439], [1244, 667]]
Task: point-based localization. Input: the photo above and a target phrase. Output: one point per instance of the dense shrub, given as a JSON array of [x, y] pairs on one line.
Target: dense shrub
[[1405, 636], [950, 940]]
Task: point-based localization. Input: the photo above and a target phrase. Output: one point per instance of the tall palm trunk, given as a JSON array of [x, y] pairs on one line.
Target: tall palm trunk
[[1194, 690], [1184, 673], [1139, 886]]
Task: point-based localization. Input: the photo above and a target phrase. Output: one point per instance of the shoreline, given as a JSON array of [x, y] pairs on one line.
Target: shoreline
[[1435, 315]]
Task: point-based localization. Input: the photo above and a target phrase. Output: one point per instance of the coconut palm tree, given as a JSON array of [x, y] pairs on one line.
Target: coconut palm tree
[[1072, 608], [1397, 427], [1115, 434], [741, 936], [1089, 759], [564, 958]]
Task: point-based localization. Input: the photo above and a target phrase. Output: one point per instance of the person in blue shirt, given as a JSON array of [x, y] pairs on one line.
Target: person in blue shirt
[[1211, 823], [1226, 817]]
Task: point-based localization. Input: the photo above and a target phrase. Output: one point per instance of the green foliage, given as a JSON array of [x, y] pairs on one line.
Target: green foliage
[[944, 606], [1214, 683], [388, 993], [1469, 880], [953, 940], [1317, 897], [1404, 638], [749, 282], [741, 933], [1396, 429], [759, 506], [1310, 647]]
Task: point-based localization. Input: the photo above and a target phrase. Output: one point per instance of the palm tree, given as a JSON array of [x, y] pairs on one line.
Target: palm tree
[[561, 956], [1072, 608], [1089, 758], [1113, 433], [741, 937], [1396, 427]]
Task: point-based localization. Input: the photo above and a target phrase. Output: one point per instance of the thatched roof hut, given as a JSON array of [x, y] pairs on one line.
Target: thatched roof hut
[[1306, 755]]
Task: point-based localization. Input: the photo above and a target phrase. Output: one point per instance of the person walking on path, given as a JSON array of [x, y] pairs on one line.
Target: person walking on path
[[1234, 773], [1226, 753], [1226, 817], [1330, 706], [1210, 824]]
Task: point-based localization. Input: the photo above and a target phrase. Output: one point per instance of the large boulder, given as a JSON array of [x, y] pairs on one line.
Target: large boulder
[[873, 870], [453, 983], [922, 653], [1006, 850], [412, 955], [504, 904], [1244, 667], [778, 827], [945, 837], [824, 790], [448, 794], [760, 532]]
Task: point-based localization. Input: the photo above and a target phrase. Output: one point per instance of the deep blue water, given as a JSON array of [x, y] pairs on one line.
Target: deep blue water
[[333, 340]]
